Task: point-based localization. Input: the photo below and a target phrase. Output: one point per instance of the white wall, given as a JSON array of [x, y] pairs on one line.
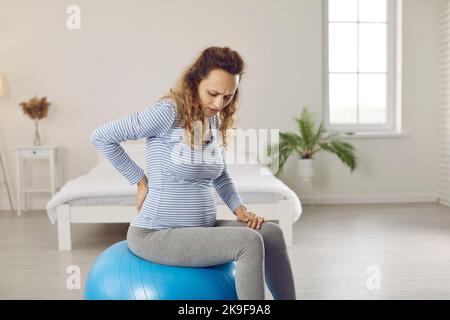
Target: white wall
[[128, 54], [443, 154]]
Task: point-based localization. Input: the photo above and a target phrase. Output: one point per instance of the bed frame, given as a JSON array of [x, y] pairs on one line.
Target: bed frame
[[280, 212]]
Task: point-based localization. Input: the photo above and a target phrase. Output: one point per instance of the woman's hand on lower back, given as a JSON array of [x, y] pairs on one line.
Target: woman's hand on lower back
[[142, 190]]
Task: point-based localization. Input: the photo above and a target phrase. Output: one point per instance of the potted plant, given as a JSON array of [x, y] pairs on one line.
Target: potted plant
[[307, 144], [36, 109]]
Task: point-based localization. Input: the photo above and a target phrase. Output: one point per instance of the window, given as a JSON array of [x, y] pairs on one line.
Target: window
[[360, 70]]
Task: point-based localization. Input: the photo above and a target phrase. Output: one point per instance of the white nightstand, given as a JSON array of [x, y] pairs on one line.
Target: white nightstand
[[31, 153]]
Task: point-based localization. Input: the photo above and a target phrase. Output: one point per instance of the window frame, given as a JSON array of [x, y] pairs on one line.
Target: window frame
[[392, 123]]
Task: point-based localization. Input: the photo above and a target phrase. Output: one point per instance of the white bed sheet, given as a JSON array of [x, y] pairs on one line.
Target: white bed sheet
[[103, 185]]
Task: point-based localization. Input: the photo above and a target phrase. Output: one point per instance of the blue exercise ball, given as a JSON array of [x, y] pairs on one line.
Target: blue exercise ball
[[118, 274]]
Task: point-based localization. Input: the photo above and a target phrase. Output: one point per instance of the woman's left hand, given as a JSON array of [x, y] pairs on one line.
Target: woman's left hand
[[253, 221]]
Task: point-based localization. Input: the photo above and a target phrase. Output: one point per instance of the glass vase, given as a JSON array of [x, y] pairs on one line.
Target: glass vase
[[37, 136]]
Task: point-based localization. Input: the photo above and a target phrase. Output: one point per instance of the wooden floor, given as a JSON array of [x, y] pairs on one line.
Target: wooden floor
[[334, 249]]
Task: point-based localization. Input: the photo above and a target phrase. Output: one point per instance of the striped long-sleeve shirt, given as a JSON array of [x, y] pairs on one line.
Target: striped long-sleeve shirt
[[181, 179]]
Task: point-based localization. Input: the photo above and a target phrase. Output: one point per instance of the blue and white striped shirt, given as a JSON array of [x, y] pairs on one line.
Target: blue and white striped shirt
[[181, 179]]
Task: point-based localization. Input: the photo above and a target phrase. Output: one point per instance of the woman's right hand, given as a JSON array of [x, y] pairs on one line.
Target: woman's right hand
[[142, 190]]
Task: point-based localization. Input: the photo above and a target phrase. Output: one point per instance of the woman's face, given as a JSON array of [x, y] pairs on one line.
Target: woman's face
[[216, 91]]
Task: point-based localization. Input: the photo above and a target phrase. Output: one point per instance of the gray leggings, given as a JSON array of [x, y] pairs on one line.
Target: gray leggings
[[258, 254]]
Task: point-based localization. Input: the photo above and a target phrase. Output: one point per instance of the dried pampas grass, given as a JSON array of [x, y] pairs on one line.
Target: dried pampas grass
[[36, 108]]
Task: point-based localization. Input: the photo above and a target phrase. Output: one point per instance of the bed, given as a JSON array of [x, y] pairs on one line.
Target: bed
[[104, 196]]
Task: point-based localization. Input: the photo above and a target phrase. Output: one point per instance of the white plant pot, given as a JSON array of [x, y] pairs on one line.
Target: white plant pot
[[305, 169]]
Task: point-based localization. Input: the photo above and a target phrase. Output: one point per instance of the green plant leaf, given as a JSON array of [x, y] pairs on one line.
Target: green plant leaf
[[306, 126], [318, 136], [345, 151]]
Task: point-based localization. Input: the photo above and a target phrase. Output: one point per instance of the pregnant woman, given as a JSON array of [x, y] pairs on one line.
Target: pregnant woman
[[176, 222]]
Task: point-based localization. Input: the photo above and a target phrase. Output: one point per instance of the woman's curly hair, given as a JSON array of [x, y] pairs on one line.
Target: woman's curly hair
[[185, 92]]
